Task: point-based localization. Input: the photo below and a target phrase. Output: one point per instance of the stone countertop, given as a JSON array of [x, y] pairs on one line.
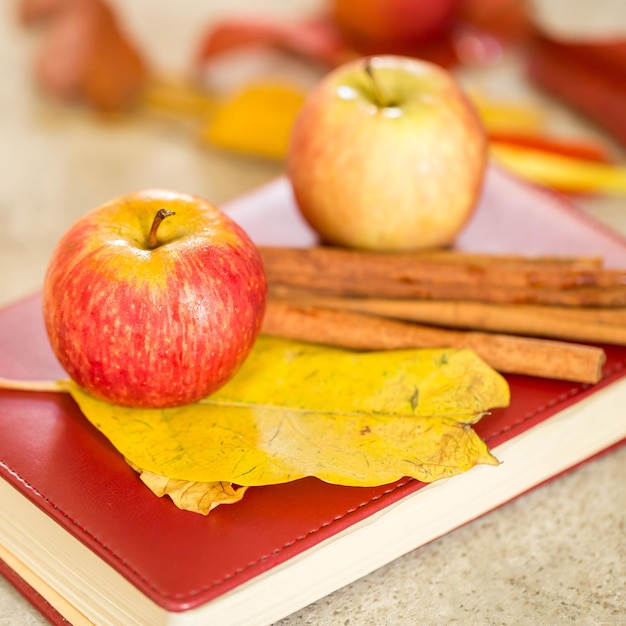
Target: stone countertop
[[557, 555]]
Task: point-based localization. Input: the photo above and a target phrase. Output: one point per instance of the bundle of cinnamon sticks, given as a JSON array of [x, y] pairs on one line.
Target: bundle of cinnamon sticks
[[522, 315]]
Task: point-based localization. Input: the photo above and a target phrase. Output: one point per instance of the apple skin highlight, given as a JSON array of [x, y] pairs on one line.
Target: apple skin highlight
[[395, 165], [158, 327]]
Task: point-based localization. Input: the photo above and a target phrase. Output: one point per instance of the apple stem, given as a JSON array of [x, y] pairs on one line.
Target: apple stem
[[161, 214], [378, 94]]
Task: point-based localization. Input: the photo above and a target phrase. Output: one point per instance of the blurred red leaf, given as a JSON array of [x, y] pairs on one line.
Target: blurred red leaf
[[575, 148], [85, 55], [591, 77], [318, 40], [315, 39], [322, 39]]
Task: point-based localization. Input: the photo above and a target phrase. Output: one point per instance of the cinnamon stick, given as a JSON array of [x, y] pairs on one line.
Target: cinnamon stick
[[595, 325], [565, 282], [326, 254], [505, 353], [581, 297]]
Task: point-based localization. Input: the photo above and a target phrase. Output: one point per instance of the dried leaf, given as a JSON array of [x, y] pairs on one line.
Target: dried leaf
[[196, 497], [296, 410], [257, 120], [86, 55]]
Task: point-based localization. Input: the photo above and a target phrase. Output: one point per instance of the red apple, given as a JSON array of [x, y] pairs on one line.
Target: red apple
[[392, 24], [388, 154], [153, 299]]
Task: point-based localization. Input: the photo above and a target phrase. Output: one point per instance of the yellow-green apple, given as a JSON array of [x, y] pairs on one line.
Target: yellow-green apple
[[383, 25], [387, 153], [153, 299]]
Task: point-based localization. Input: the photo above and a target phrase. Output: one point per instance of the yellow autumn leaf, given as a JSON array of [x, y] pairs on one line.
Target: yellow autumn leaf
[[296, 410], [256, 120], [563, 172], [178, 98], [500, 115]]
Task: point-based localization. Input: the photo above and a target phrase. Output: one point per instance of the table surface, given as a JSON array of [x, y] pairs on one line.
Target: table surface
[[556, 555]]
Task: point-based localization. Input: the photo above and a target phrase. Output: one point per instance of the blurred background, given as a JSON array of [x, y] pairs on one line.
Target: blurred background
[[98, 99], [61, 156]]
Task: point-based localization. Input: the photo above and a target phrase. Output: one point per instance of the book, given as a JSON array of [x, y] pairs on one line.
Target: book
[[87, 542]]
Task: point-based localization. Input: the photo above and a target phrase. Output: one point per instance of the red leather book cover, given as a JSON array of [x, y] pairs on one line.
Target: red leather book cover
[[181, 560]]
